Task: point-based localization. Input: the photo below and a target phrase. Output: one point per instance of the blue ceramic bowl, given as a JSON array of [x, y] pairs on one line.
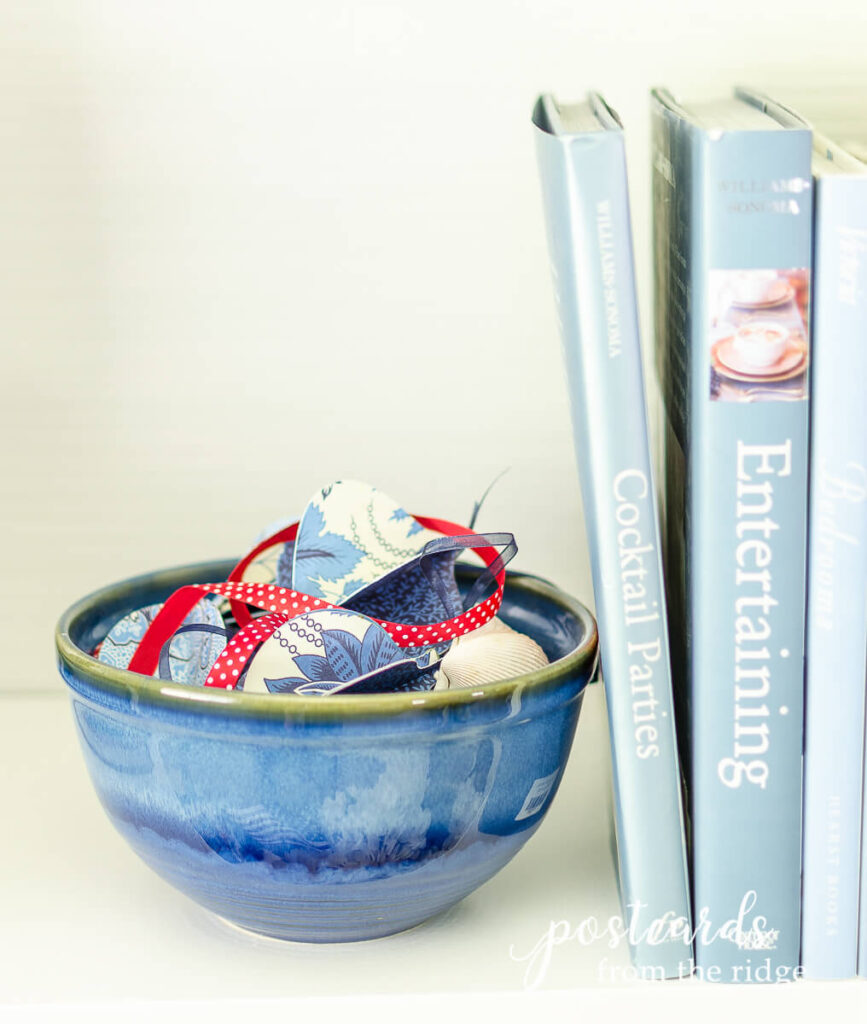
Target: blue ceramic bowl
[[326, 819]]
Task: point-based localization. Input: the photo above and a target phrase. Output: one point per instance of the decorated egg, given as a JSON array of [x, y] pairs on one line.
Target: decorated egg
[[491, 653], [333, 650], [188, 657], [350, 536]]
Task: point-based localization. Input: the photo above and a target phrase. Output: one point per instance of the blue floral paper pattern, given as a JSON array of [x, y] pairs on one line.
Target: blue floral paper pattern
[[325, 651], [283, 574], [350, 536], [191, 653], [407, 594], [265, 568]]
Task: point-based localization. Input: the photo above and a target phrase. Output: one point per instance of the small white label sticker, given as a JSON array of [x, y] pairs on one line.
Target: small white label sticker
[[537, 796]]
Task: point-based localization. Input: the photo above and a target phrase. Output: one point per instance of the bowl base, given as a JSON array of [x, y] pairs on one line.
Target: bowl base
[[285, 938]]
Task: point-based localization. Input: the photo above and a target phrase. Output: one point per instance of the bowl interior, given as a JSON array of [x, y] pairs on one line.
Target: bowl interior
[[561, 625]]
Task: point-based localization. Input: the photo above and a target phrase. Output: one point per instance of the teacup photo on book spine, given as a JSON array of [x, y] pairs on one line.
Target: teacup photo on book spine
[[758, 335]]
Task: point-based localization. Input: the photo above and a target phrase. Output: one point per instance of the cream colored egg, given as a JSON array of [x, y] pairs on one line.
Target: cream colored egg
[[489, 654]]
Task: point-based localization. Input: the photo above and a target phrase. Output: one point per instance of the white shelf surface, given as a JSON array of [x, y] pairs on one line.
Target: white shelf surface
[[87, 928]]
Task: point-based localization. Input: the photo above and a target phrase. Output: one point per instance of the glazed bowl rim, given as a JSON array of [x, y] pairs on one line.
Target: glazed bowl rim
[[147, 691]]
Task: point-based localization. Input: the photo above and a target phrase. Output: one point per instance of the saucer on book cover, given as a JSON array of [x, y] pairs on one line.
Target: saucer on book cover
[[726, 360], [783, 295]]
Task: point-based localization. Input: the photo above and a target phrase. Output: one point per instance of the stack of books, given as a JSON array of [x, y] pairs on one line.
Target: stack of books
[[736, 687]]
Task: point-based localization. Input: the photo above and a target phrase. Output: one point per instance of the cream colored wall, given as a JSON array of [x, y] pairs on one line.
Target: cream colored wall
[[250, 248]]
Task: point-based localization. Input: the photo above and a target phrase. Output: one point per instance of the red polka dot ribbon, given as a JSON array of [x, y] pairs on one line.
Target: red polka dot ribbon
[[283, 604]]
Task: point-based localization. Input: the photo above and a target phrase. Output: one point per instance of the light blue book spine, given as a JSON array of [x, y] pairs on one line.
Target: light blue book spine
[[837, 581], [862, 927], [586, 204], [733, 234]]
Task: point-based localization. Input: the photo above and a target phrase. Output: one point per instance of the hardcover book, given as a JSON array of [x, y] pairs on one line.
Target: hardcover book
[[862, 922], [859, 150], [837, 568], [582, 165], [732, 236]]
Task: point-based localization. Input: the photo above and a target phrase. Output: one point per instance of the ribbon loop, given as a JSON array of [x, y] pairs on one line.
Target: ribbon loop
[[281, 604]]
